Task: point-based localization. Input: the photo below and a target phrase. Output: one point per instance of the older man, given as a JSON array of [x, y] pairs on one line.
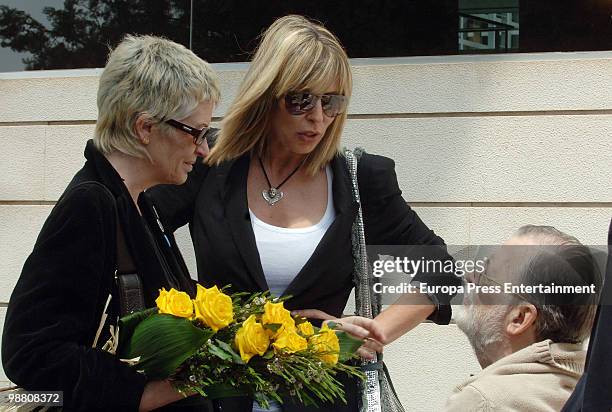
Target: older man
[[529, 344]]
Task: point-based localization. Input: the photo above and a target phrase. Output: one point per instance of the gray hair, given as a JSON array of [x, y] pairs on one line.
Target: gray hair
[[561, 259], [151, 76]]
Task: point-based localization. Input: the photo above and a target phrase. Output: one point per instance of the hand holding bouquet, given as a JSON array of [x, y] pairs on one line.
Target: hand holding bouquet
[[221, 345]]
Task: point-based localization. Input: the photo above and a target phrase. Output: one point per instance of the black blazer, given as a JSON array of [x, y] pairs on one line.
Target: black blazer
[[214, 203], [56, 306]]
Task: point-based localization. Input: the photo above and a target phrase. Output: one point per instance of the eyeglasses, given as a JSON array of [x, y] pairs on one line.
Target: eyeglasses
[[298, 103], [482, 279], [199, 135]]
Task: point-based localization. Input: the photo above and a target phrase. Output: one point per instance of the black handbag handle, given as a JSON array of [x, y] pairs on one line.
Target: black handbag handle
[[129, 286]]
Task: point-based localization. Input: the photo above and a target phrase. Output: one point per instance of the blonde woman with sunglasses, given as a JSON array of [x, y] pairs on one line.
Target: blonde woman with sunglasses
[[272, 208]]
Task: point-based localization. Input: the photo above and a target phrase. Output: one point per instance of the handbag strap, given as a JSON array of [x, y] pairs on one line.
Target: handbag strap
[[129, 286], [371, 400], [378, 393], [363, 293], [125, 263]]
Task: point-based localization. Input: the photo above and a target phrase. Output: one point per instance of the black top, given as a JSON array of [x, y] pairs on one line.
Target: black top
[[56, 306], [214, 203]]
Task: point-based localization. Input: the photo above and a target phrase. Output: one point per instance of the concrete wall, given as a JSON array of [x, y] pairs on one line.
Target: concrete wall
[[482, 145]]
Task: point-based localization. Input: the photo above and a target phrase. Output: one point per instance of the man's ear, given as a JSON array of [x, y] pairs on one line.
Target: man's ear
[[143, 128], [520, 319]]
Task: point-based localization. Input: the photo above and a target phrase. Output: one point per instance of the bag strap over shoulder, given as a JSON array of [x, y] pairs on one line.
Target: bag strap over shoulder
[[362, 279], [370, 401], [129, 288], [125, 263], [129, 285], [378, 394]]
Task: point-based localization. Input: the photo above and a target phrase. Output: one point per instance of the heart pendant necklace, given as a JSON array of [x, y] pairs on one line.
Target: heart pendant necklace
[[273, 195]]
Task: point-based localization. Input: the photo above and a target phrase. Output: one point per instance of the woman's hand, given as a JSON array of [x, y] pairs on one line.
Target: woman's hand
[[363, 328], [159, 393]]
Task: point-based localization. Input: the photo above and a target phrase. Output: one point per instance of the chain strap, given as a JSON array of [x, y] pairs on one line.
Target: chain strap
[[363, 297]]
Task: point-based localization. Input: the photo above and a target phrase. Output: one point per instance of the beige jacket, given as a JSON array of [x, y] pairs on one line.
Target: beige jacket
[[540, 377]]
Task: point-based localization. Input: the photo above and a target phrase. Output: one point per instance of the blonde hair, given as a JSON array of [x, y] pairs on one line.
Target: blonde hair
[[151, 76], [295, 54]]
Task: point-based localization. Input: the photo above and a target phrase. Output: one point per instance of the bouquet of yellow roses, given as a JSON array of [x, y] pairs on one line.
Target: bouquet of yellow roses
[[221, 345]]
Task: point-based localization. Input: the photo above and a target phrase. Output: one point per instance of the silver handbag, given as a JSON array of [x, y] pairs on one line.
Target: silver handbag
[[378, 394]]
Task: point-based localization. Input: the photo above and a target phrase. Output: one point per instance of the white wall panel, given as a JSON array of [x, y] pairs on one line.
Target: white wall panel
[[39, 161], [474, 84], [22, 153], [494, 225], [64, 156], [48, 98], [539, 82], [427, 363], [494, 159], [19, 227]]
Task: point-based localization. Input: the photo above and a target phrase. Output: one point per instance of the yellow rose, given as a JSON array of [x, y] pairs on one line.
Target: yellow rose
[[326, 344], [306, 329], [290, 341], [251, 339], [174, 303], [276, 313], [162, 300], [213, 307]]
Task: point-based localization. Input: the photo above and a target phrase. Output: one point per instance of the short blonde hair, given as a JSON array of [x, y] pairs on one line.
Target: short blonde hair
[[295, 54], [152, 76]]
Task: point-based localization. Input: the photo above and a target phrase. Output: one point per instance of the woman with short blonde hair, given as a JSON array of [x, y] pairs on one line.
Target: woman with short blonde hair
[[139, 71], [273, 208], [155, 103]]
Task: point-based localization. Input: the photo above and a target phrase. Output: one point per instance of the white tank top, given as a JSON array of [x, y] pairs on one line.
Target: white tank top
[[284, 251]]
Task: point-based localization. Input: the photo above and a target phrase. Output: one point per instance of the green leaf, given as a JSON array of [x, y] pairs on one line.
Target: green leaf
[[227, 348], [163, 343], [274, 327], [348, 345], [218, 352], [128, 323]]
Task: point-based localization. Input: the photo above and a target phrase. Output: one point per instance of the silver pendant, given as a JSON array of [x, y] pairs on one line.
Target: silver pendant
[[272, 196]]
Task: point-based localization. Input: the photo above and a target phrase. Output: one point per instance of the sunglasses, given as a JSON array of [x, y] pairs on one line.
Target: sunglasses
[[199, 135], [300, 103]]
